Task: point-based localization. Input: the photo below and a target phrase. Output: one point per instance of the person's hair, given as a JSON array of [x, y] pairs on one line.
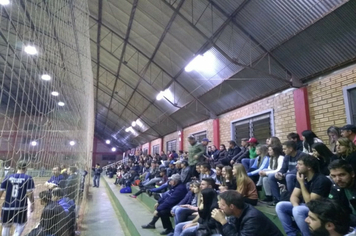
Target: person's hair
[[59, 168], [350, 146], [309, 137], [323, 151], [241, 177], [232, 142], [334, 130], [210, 181], [290, 144], [185, 163], [273, 162], [223, 146], [163, 171], [229, 175], [234, 198], [293, 136], [57, 192], [45, 196], [310, 161], [275, 141], [264, 152], [220, 166], [209, 203], [341, 164], [22, 165], [98, 164], [244, 139], [331, 211], [205, 165], [195, 184], [73, 169]]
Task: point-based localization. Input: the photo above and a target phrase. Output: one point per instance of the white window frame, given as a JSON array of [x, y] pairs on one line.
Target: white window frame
[[345, 91]]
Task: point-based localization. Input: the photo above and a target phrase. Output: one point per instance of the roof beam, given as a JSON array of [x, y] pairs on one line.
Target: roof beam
[[98, 46]]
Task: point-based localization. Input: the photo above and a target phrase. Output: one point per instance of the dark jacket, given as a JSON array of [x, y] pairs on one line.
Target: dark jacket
[[97, 171], [338, 194], [252, 222], [290, 163], [71, 186], [219, 155], [244, 153], [300, 146], [232, 152], [172, 197], [53, 212], [351, 159], [187, 199], [185, 175]]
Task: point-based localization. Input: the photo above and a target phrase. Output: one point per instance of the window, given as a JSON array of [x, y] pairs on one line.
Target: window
[[145, 151], [155, 149], [171, 145], [350, 103], [109, 158], [199, 136], [258, 126]]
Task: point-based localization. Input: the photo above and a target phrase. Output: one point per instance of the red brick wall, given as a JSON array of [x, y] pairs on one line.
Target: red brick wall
[[169, 137]]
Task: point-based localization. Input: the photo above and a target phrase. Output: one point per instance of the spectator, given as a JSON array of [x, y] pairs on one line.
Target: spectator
[[150, 185], [246, 219], [349, 131], [56, 179], [68, 206], [97, 172], [327, 218], [221, 154], [344, 188], [195, 155], [310, 185], [181, 156], [334, 133], [346, 150], [174, 155], [185, 173], [274, 141], [166, 202], [232, 151], [229, 182], [287, 174], [275, 164], [296, 138], [244, 153], [261, 162], [324, 156], [309, 138], [219, 178], [71, 183], [206, 171], [171, 169], [248, 162], [245, 186]]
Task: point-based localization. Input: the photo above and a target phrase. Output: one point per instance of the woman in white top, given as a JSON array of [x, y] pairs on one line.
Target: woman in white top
[[275, 164], [309, 138]]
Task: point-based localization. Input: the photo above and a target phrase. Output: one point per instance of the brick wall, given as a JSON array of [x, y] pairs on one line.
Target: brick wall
[[200, 127], [170, 137], [145, 146], [155, 142], [326, 101]]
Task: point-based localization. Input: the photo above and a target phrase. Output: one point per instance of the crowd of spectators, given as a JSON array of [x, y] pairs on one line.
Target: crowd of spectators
[[208, 190]]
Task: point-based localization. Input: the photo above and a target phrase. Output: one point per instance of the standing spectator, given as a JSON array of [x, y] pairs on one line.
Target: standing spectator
[[309, 138], [346, 150], [57, 180], [296, 138], [327, 218], [18, 187], [231, 152], [334, 133], [245, 186], [97, 171], [324, 156], [245, 219], [310, 185], [349, 131], [195, 154]]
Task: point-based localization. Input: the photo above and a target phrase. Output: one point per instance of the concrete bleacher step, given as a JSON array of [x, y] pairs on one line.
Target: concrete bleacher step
[[134, 212]]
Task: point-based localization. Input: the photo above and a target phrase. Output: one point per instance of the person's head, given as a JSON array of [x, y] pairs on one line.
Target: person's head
[[244, 142], [327, 217], [45, 197], [205, 142], [191, 140], [348, 130], [238, 170], [72, 170], [307, 164], [333, 133], [231, 202], [222, 147], [275, 151], [262, 150], [252, 142], [218, 169], [345, 146], [241, 176], [183, 164], [274, 141], [308, 136], [207, 183], [342, 173], [197, 167], [320, 150], [56, 171], [57, 194], [232, 144], [227, 172], [195, 187], [209, 198], [293, 137], [205, 167], [163, 172], [22, 166], [289, 147], [174, 180], [171, 165], [181, 152], [213, 148], [153, 164], [97, 164], [147, 164]]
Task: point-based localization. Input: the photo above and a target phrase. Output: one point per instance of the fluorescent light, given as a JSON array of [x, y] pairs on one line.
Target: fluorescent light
[[133, 123], [4, 2], [54, 93], [160, 96], [113, 149], [46, 77], [127, 129], [139, 123], [202, 63], [107, 141], [33, 143], [72, 143], [31, 50], [61, 104]]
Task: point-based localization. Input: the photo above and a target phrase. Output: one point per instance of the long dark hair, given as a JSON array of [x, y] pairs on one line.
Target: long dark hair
[[210, 202], [323, 151], [277, 151], [308, 138]]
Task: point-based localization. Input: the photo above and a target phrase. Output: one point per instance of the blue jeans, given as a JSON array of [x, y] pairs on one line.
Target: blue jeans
[[290, 184], [96, 180], [181, 214], [178, 230], [285, 211], [247, 163], [163, 186]]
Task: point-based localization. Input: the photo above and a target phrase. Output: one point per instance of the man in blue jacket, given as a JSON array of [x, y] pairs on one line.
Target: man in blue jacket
[[166, 202]]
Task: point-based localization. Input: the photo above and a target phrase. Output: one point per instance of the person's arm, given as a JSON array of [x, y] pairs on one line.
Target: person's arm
[[195, 220], [294, 198], [1, 193], [285, 164], [201, 151]]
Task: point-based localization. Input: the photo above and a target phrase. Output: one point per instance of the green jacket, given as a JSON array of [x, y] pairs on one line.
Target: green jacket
[[196, 149], [252, 153]]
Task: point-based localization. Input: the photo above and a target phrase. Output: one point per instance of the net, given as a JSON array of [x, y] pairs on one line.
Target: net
[[46, 113]]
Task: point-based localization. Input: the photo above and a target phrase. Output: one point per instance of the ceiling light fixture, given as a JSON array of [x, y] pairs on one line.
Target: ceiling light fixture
[[54, 93], [4, 2], [113, 149], [72, 143], [133, 123], [107, 141], [61, 104], [160, 95], [127, 129], [46, 77], [31, 50], [33, 143]]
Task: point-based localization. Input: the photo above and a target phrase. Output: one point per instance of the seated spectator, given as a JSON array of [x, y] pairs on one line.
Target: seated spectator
[[171, 169], [346, 150], [197, 170], [349, 131], [71, 183], [309, 138], [150, 185], [274, 141], [244, 152], [68, 206], [296, 138], [248, 162], [174, 156], [185, 172], [261, 162], [324, 156], [243, 219], [219, 178], [166, 203], [287, 174], [327, 218], [275, 164], [334, 134], [232, 151], [245, 186], [206, 171], [221, 154], [56, 180], [229, 182], [344, 188], [310, 185]]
